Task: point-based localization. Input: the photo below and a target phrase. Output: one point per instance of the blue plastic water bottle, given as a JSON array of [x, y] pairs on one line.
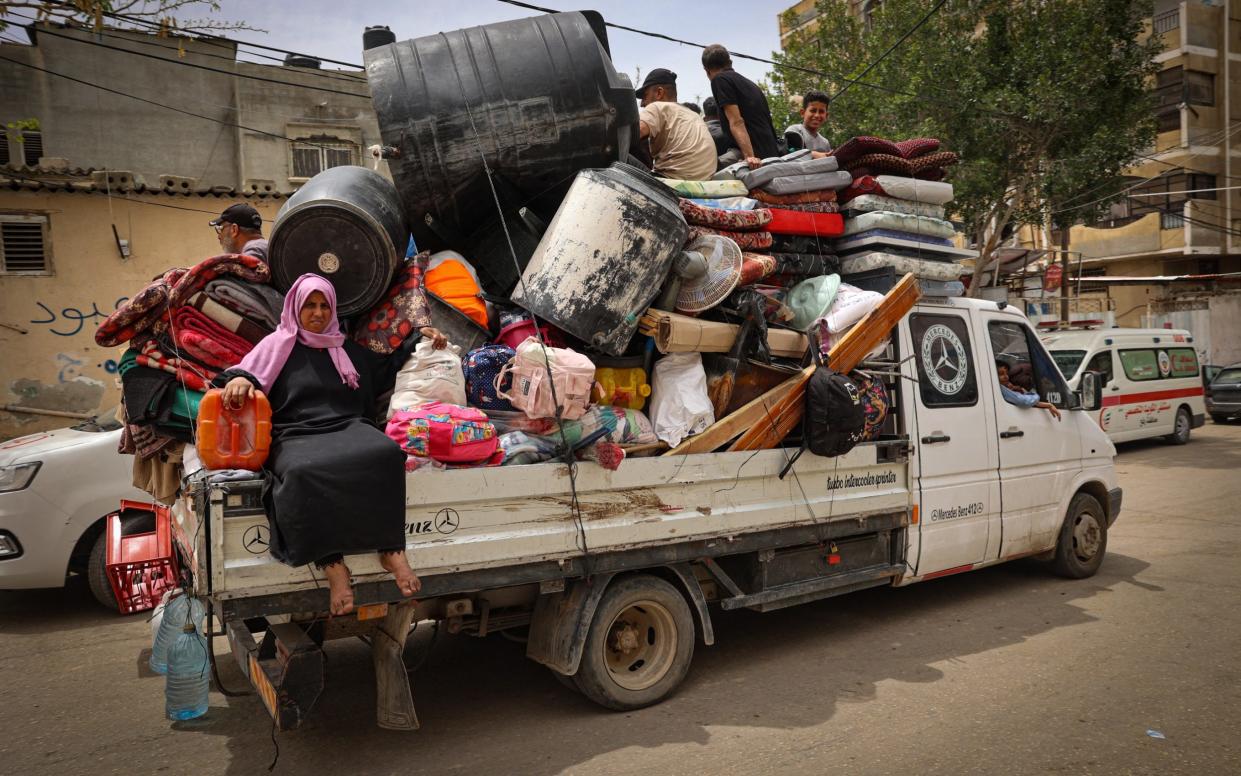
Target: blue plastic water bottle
[[176, 610], [189, 674]]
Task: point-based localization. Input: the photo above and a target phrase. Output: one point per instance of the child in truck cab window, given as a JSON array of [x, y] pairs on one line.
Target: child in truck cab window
[[1015, 394]]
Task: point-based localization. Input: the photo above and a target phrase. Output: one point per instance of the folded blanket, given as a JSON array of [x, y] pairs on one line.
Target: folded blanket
[[707, 189], [191, 281], [206, 340], [880, 164], [869, 203], [142, 389], [901, 222], [403, 308], [804, 265], [755, 267], [799, 184], [137, 314], [917, 146], [811, 207], [762, 177], [238, 324], [927, 269], [156, 354], [718, 218], [864, 144], [260, 303], [824, 195], [930, 192], [746, 241], [789, 243], [844, 243]]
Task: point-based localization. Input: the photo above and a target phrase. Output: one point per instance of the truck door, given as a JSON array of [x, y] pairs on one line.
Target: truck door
[[956, 446], [1039, 455]]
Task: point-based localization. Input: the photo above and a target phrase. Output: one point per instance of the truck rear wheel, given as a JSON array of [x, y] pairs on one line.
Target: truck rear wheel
[[639, 645], [1083, 539]]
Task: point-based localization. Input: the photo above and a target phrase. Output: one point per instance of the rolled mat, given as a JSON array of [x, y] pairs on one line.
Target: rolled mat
[[675, 333]]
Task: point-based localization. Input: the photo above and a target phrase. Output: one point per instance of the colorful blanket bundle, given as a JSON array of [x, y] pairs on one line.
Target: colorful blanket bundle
[[205, 340], [138, 313], [746, 241], [191, 281], [256, 301], [718, 218], [403, 308], [238, 324], [156, 354], [802, 198]]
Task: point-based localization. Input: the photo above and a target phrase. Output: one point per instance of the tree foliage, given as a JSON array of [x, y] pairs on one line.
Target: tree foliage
[[1046, 102], [97, 13]]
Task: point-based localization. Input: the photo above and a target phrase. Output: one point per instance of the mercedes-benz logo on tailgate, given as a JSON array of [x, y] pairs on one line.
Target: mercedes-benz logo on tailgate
[[447, 520], [255, 539]]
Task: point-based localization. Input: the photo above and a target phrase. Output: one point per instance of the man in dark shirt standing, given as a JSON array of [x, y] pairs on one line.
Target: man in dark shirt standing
[[746, 119]]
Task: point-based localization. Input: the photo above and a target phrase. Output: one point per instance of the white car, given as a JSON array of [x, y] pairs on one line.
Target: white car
[[56, 489]]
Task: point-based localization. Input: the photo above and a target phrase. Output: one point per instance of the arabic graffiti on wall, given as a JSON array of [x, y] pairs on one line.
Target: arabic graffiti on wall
[[70, 321]]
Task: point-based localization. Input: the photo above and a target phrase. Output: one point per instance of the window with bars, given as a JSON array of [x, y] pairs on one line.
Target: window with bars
[[1170, 194], [312, 155], [23, 245]]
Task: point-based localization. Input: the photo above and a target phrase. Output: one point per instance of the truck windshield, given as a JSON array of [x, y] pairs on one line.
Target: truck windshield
[[1068, 360]]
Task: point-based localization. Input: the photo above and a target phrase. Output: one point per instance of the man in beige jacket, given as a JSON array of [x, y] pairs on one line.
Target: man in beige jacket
[[679, 142]]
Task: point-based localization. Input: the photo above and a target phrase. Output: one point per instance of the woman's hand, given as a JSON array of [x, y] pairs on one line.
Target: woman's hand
[[438, 340], [237, 392]]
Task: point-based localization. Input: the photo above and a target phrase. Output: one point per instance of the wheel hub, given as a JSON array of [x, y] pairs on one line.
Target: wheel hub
[[641, 645], [1087, 537]]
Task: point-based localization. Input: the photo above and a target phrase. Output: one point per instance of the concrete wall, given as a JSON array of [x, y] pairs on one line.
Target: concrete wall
[[47, 324]]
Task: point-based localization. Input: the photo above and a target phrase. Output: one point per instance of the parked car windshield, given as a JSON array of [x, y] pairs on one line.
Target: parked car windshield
[[1068, 360], [1230, 375], [104, 421]]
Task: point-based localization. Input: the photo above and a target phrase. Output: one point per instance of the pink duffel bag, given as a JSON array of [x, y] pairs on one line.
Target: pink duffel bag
[[448, 433], [531, 391]]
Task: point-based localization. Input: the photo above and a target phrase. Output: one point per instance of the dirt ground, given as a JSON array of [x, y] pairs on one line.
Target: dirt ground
[[1002, 670]]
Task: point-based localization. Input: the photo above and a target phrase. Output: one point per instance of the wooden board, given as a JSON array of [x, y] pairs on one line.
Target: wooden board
[[843, 357]]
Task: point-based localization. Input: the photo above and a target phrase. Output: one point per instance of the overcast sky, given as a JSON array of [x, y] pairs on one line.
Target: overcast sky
[[331, 28]]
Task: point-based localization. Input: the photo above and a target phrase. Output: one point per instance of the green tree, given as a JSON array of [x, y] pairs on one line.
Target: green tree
[[1045, 102], [168, 13]]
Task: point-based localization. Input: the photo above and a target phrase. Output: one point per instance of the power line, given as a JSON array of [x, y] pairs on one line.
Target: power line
[[893, 47], [197, 66], [198, 32], [119, 93]]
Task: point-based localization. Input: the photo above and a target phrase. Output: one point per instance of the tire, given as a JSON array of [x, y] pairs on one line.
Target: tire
[[639, 645], [96, 570], [1083, 539], [1184, 424]]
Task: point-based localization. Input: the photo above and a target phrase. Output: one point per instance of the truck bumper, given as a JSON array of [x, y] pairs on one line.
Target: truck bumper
[[1113, 505]]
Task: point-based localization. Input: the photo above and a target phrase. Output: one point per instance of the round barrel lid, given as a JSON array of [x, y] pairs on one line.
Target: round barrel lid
[[349, 249]]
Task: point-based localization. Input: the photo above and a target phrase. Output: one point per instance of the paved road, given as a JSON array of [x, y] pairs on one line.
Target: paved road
[[1003, 670]]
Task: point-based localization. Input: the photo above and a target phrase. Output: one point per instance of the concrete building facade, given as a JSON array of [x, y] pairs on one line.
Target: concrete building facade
[[101, 188]]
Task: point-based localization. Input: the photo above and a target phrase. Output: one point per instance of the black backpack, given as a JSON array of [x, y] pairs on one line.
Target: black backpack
[[834, 416]]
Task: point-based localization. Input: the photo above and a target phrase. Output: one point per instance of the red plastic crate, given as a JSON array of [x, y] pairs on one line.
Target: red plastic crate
[[803, 224], [140, 567]]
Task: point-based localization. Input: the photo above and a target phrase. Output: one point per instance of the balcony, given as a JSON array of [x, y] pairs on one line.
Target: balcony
[[1192, 22]]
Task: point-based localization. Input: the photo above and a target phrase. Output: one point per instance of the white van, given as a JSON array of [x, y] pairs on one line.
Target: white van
[[1150, 377]]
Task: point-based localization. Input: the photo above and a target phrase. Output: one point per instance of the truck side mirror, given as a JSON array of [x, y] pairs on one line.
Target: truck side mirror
[[1090, 391]]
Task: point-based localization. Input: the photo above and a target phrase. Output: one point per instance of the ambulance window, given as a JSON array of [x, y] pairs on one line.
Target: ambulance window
[[1184, 362], [945, 360], [1140, 365], [1101, 362]]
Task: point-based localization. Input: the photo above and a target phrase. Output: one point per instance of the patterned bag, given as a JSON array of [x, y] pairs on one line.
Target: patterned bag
[[402, 309], [482, 366], [875, 404], [447, 433]]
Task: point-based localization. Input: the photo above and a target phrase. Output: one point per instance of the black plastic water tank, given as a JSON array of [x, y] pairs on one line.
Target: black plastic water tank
[[541, 91], [345, 224], [301, 60], [378, 35]]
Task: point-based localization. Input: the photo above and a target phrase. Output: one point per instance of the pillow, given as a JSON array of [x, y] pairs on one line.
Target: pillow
[[916, 146], [936, 161], [860, 146]]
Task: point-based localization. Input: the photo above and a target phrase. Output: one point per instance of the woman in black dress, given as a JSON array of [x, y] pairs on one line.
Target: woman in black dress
[[337, 484]]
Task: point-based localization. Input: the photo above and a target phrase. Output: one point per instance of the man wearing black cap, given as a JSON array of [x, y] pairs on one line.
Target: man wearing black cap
[[680, 145], [240, 230]]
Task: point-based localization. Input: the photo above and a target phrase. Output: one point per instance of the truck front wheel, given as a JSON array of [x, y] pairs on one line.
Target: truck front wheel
[[1083, 539], [639, 645]]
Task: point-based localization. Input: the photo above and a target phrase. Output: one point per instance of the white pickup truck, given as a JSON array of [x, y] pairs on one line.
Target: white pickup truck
[[612, 584]]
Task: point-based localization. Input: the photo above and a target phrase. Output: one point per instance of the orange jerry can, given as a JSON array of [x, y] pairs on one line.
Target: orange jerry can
[[233, 438]]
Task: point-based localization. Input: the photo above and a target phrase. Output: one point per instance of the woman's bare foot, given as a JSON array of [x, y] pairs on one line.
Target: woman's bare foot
[[406, 580], [339, 588]]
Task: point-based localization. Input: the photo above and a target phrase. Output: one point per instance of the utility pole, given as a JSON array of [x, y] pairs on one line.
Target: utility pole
[[1064, 276]]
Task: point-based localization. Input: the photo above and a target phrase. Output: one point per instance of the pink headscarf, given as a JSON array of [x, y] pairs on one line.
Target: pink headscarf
[[270, 355]]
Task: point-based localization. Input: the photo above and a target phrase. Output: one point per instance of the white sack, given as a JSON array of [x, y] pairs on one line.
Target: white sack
[[429, 375], [680, 406]]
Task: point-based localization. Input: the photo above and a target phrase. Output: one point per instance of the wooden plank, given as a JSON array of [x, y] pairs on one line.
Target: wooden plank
[[843, 357], [720, 432]]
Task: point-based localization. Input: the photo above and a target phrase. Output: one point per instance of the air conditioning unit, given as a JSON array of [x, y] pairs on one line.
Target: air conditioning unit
[[178, 184], [118, 180], [260, 186]]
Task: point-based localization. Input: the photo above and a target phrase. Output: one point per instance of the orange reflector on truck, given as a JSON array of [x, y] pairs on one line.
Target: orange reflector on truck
[[372, 611], [914, 519]]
